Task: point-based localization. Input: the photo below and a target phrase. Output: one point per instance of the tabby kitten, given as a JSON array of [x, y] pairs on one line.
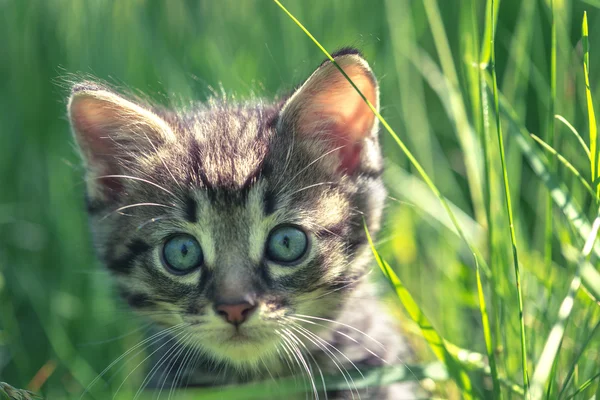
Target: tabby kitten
[[239, 227]]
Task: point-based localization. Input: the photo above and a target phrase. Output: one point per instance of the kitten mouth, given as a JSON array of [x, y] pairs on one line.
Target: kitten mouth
[[239, 337], [242, 336]]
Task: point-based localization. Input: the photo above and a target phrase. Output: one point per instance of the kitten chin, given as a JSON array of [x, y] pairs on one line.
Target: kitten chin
[[239, 227]]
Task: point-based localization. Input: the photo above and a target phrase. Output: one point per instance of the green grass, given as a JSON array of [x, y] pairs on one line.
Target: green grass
[[469, 89]]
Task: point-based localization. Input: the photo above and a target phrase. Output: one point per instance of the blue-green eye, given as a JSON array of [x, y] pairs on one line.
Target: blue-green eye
[[286, 244], [182, 254]]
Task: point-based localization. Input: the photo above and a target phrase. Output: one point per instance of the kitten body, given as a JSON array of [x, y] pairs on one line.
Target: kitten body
[[271, 200]]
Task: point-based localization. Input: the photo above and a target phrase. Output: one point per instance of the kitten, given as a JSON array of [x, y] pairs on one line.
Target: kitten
[[239, 227]]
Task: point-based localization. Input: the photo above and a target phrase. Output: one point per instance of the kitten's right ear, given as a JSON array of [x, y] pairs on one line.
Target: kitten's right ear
[[112, 132]]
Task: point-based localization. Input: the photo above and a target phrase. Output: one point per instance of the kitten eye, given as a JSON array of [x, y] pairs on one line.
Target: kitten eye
[[286, 244], [182, 254]]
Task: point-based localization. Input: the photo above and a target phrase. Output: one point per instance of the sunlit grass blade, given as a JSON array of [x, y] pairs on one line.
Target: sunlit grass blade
[[548, 223], [509, 211], [403, 185], [565, 162], [481, 113], [487, 333], [433, 338], [589, 276], [590, 104], [546, 360], [584, 386], [464, 130], [486, 50], [574, 131], [576, 359]]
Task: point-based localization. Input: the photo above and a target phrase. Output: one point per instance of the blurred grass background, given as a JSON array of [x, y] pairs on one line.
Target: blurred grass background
[[60, 324]]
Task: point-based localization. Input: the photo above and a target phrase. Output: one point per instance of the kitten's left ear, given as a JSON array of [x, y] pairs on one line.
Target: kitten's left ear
[[327, 109], [112, 132]]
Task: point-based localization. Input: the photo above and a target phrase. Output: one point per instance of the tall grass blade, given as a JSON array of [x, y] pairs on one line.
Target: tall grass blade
[[464, 130], [547, 358], [589, 276], [509, 211], [574, 131], [576, 359], [548, 223], [486, 49], [479, 104], [584, 386], [590, 104], [435, 341], [565, 162]]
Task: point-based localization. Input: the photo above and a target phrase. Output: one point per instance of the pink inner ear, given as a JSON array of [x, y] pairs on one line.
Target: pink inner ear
[[92, 120], [336, 106]]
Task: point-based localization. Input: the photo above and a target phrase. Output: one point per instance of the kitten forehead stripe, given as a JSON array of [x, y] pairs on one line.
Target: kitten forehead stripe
[[191, 208], [269, 202]]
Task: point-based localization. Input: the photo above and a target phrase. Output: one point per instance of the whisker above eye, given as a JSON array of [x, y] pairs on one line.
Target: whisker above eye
[[135, 178], [152, 220], [307, 167], [118, 210], [312, 186]]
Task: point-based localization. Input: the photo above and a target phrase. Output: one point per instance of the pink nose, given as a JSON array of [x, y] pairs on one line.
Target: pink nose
[[235, 314]]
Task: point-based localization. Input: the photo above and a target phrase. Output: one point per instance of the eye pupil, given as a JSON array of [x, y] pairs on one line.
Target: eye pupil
[[184, 250], [286, 244]]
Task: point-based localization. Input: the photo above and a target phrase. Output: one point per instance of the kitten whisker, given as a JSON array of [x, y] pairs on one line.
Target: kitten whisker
[[326, 343], [292, 340], [342, 324], [299, 343], [162, 160], [295, 316], [138, 179], [286, 360], [312, 186], [151, 339], [180, 370], [288, 159], [346, 336], [118, 210], [267, 369], [338, 364], [113, 339], [355, 281], [308, 166], [195, 357], [151, 221], [156, 367], [176, 336]]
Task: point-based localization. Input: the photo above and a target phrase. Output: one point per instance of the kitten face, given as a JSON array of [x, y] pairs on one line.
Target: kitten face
[[229, 219]]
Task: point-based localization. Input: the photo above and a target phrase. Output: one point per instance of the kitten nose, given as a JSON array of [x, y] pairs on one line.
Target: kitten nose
[[235, 314]]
